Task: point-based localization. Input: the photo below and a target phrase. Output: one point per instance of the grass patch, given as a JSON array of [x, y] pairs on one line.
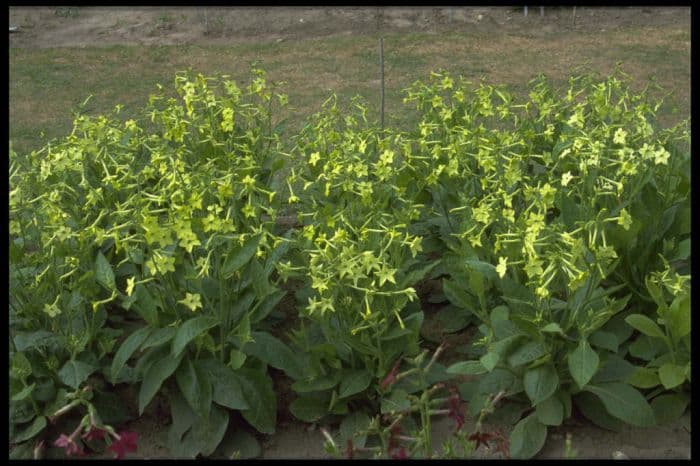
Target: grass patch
[[46, 84]]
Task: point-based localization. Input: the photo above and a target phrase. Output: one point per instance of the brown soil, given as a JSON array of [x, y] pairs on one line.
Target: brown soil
[[103, 26]]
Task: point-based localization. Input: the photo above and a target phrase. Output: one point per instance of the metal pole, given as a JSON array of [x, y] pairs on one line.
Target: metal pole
[[525, 11], [381, 78], [541, 11], [573, 18]]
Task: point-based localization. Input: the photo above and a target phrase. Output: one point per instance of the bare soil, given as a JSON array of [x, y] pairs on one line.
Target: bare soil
[[45, 27]]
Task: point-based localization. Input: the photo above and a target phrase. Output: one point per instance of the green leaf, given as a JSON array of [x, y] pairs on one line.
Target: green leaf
[[154, 377], [397, 401], [645, 325], [457, 296], [604, 340], [310, 408], [467, 368], [583, 363], [130, 345], [669, 407], [73, 373], [146, 305], [31, 430], [104, 273], [272, 351], [553, 328], [316, 384], [183, 419], [678, 317], [624, 402], [550, 412], [227, 389], [24, 393], [266, 306], [415, 275], [540, 383], [490, 360], [190, 330], [527, 438], [28, 340], [354, 427], [237, 258], [238, 444], [646, 348], [260, 396], [354, 382], [671, 375], [500, 379], [453, 318], [644, 377], [682, 251], [526, 353], [594, 410], [206, 433], [195, 387], [159, 337]]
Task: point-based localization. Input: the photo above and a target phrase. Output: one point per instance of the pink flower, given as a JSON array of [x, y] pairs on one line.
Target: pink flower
[[399, 454], [125, 444], [69, 445]]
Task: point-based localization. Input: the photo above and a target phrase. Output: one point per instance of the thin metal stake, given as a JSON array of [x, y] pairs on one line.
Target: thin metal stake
[[381, 77]]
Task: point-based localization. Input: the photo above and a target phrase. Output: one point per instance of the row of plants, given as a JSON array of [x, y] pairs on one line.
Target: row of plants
[[151, 253]]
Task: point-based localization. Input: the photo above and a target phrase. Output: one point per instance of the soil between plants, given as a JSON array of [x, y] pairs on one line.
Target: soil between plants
[[44, 27]]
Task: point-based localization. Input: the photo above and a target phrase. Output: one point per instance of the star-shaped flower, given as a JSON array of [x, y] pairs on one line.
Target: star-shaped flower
[[125, 444], [502, 267], [192, 301]]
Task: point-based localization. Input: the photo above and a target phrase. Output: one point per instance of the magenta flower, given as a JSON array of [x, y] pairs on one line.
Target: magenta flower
[[68, 444], [126, 443]]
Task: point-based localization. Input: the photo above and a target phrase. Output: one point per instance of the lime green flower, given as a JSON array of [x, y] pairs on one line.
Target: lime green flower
[[565, 178], [415, 246], [52, 309], [160, 264], [386, 274], [647, 151], [625, 219], [192, 301], [502, 266], [315, 157], [248, 211], [481, 213], [130, 283], [619, 137], [661, 156]]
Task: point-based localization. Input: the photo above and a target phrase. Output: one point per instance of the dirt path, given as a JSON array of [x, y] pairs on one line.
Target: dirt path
[[102, 26]]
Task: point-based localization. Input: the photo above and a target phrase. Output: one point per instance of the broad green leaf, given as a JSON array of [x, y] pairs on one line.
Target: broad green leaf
[[453, 318], [490, 360], [354, 427], [643, 377], [31, 430], [583, 363], [624, 402], [24, 393], [28, 340], [540, 383], [415, 275], [354, 382], [646, 348], [260, 396], [195, 387], [682, 251], [227, 389], [669, 407], [242, 307], [645, 325], [604, 340], [104, 273], [190, 330], [397, 401], [238, 444], [130, 345], [671, 375], [73, 373], [317, 384], [20, 367], [594, 410], [154, 377], [274, 352], [267, 305], [457, 296], [206, 433], [146, 305], [553, 328], [527, 438], [310, 408], [678, 317], [550, 412], [467, 368], [237, 258], [500, 379], [183, 418], [526, 353], [159, 337]]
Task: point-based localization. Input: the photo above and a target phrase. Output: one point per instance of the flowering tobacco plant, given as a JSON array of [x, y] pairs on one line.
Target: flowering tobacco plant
[[546, 241], [173, 225]]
